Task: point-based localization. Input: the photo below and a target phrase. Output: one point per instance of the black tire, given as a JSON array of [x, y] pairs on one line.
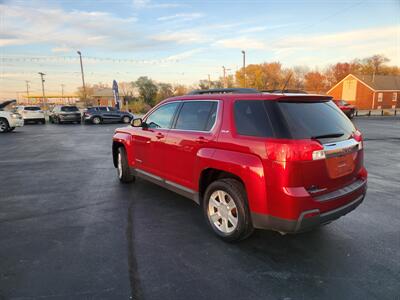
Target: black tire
[[237, 193], [123, 171], [4, 126], [43, 121], [96, 120], [51, 120], [11, 129], [125, 119]]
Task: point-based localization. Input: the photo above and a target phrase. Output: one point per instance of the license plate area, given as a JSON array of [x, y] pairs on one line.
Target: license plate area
[[341, 157]]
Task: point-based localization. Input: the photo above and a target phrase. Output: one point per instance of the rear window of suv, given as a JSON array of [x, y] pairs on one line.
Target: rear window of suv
[[296, 120], [32, 108], [315, 120], [69, 108]]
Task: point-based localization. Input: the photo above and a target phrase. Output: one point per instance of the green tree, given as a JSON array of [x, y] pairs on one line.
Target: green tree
[[165, 91], [147, 89]]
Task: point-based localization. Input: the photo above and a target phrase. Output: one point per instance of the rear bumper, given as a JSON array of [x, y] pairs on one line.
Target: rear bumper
[[307, 220]]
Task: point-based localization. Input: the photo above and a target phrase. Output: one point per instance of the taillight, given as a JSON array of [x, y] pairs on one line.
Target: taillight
[[357, 135], [289, 150]]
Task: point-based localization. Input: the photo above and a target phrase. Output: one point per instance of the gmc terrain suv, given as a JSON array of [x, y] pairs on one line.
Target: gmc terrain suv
[[106, 114], [284, 162]]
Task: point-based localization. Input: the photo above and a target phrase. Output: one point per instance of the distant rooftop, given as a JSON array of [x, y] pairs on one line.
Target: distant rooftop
[[381, 82]]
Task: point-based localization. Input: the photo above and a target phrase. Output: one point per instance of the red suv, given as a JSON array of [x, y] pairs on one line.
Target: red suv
[[285, 162]]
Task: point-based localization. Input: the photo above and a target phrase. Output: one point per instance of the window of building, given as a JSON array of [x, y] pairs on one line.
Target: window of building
[[380, 97], [394, 97]]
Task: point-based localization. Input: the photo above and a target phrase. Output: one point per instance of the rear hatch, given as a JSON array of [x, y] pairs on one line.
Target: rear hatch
[[70, 111], [335, 160]]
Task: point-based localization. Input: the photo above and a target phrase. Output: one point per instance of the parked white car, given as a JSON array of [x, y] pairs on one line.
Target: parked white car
[[8, 118], [32, 114]]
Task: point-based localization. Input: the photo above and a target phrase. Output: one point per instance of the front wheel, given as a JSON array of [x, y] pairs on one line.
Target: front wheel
[[226, 211], [96, 120], [126, 120], [4, 127], [123, 171]]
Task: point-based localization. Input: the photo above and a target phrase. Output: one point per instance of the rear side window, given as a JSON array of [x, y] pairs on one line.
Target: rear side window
[[251, 118], [197, 116], [102, 108], [162, 116], [315, 119], [69, 108], [32, 108]]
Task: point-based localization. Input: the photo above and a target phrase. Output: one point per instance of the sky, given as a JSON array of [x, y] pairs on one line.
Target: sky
[[182, 41]]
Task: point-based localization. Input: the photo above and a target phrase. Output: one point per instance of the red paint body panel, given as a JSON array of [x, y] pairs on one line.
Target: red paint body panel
[[277, 173]]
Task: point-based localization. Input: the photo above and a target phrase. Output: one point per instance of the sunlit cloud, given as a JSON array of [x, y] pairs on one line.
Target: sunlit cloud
[[181, 17]]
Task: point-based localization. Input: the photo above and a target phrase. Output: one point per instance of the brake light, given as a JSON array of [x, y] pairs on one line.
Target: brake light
[[289, 150]]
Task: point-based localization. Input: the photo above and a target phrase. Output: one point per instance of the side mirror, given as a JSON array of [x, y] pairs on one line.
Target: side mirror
[[137, 122]]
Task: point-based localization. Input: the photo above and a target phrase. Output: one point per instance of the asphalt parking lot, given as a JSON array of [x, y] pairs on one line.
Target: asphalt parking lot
[[70, 230]]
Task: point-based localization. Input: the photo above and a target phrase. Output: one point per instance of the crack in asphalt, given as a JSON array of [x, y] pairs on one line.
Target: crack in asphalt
[[134, 280]]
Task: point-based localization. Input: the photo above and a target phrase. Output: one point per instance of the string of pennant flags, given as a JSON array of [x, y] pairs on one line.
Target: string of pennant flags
[[7, 59]]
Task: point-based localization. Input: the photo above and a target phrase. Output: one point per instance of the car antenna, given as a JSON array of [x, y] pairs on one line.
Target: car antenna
[[286, 83]]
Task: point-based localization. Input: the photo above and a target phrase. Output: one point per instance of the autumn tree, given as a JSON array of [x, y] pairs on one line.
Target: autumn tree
[[180, 89], [315, 82], [165, 90], [147, 89]]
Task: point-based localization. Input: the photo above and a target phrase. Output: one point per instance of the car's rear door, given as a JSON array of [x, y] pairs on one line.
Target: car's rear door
[[149, 141], [193, 129]]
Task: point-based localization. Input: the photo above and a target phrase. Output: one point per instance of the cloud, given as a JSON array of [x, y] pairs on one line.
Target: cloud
[[67, 29], [241, 43], [61, 49], [180, 37], [253, 29], [181, 17], [139, 4], [184, 55]]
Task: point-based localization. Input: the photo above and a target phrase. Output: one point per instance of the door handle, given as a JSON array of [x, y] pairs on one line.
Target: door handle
[[159, 135], [201, 140]]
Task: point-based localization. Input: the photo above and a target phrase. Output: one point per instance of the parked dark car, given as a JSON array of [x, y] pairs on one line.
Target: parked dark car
[[106, 114], [348, 109], [65, 114]]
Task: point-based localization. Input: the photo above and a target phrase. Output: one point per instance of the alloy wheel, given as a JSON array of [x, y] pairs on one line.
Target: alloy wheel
[[222, 211], [3, 126]]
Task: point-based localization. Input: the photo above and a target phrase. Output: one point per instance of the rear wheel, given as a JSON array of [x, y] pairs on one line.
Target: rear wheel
[[96, 120], [126, 120], [123, 171], [42, 121], [226, 211], [11, 129], [4, 127]]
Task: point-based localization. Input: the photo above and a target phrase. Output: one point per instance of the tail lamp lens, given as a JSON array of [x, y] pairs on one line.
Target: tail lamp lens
[[319, 154]]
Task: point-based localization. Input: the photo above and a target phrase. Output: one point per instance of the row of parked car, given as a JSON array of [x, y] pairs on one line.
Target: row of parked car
[[59, 115]]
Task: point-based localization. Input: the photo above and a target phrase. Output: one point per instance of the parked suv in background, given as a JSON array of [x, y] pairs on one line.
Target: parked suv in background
[[106, 114], [9, 119], [32, 114], [346, 108], [65, 114], [285, 162]]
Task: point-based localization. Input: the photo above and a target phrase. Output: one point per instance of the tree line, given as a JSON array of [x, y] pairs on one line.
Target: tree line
[[145, 92]]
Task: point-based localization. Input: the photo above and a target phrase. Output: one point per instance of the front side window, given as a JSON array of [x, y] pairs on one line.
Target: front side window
[[102, 108], [197, 116], [162, 117]]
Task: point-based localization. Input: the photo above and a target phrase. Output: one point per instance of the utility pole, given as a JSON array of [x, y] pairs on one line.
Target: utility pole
[[41, 76], [83, 77], [225, 70], [209, 82], [27, 90], [62, 90], [244, 67]]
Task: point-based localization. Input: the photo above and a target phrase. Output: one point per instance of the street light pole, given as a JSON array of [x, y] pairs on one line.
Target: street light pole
[[83, 76], [27, 90], [41, 76], [244, 67]]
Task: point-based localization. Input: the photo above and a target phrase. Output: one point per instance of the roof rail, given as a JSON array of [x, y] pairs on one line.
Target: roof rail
[[287, 91], [225, 91]]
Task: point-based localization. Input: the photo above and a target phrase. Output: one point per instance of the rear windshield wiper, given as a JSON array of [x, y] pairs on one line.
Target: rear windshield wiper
[[328, 135]]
